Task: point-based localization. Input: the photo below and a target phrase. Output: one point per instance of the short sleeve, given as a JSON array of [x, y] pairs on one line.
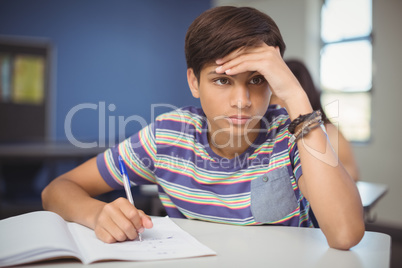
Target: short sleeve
[[295, 160], [138, 152]]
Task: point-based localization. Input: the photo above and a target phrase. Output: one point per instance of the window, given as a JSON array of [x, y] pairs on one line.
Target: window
[[346, 65]]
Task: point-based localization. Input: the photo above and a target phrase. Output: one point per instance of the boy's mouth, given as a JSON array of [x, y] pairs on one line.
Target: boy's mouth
[[238, 119]]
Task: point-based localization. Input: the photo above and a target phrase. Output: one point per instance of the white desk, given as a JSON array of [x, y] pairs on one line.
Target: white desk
[[263, 246]]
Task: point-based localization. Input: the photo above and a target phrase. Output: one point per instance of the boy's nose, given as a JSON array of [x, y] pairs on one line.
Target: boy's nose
[[240, 98]]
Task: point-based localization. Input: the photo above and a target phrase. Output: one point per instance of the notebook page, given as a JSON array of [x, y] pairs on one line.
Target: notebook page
[[26, 237], [164, 241]]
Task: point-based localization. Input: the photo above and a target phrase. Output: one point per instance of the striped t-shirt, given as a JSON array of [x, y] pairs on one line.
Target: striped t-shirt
[[257, 187]]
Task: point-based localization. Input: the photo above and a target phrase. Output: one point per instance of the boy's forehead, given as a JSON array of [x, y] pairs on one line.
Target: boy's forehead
[[208, 67]]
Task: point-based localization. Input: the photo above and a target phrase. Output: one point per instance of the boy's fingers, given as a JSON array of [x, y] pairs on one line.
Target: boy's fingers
[[108, 230], [242, 63], [104, 235], [124, 220], [119, 226], [229, 65], [244, 50], [146, 220], [230, 56], [120, 221], [133, 216], [118, 234]]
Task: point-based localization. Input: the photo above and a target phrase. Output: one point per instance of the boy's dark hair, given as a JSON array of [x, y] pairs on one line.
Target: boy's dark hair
[[221, 30]]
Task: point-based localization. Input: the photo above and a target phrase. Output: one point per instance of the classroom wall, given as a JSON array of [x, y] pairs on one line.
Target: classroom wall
[[111, 59], [379, 159]]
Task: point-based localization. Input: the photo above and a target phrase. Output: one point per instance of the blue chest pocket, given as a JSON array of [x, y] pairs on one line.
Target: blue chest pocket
[[272, 196]]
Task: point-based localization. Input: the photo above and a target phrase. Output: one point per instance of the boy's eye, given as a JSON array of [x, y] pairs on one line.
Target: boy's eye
[[257, 80], [221, 81]]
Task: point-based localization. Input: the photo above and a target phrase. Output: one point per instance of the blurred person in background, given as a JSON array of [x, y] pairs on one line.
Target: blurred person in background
[[340, 144]]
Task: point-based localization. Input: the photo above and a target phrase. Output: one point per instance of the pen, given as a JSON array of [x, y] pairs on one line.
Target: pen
[[127, 187]]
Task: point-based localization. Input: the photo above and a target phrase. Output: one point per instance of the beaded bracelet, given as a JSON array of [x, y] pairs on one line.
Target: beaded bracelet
[[313, 118], [300, 119], [292, 126], [305, 130]]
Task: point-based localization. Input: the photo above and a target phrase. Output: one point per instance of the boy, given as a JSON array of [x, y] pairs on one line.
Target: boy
[[233, 161]]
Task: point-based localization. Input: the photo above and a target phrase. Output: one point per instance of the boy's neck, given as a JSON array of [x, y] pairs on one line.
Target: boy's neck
[[229, 146]]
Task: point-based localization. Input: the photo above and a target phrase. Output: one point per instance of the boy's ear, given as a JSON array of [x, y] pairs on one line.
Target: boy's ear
[[193, 83]]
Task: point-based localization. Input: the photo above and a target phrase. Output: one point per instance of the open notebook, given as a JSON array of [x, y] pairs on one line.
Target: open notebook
[[45, 235]]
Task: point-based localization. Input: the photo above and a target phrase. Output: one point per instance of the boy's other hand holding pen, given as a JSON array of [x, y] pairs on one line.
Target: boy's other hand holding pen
[[120, 220]]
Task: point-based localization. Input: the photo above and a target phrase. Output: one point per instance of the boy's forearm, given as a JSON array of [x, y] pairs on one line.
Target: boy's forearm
[[325, 183], [331, 192], [297, 104], [71, 202]]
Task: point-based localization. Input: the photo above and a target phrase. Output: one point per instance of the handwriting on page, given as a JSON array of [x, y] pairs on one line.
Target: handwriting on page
[[152, 241]]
